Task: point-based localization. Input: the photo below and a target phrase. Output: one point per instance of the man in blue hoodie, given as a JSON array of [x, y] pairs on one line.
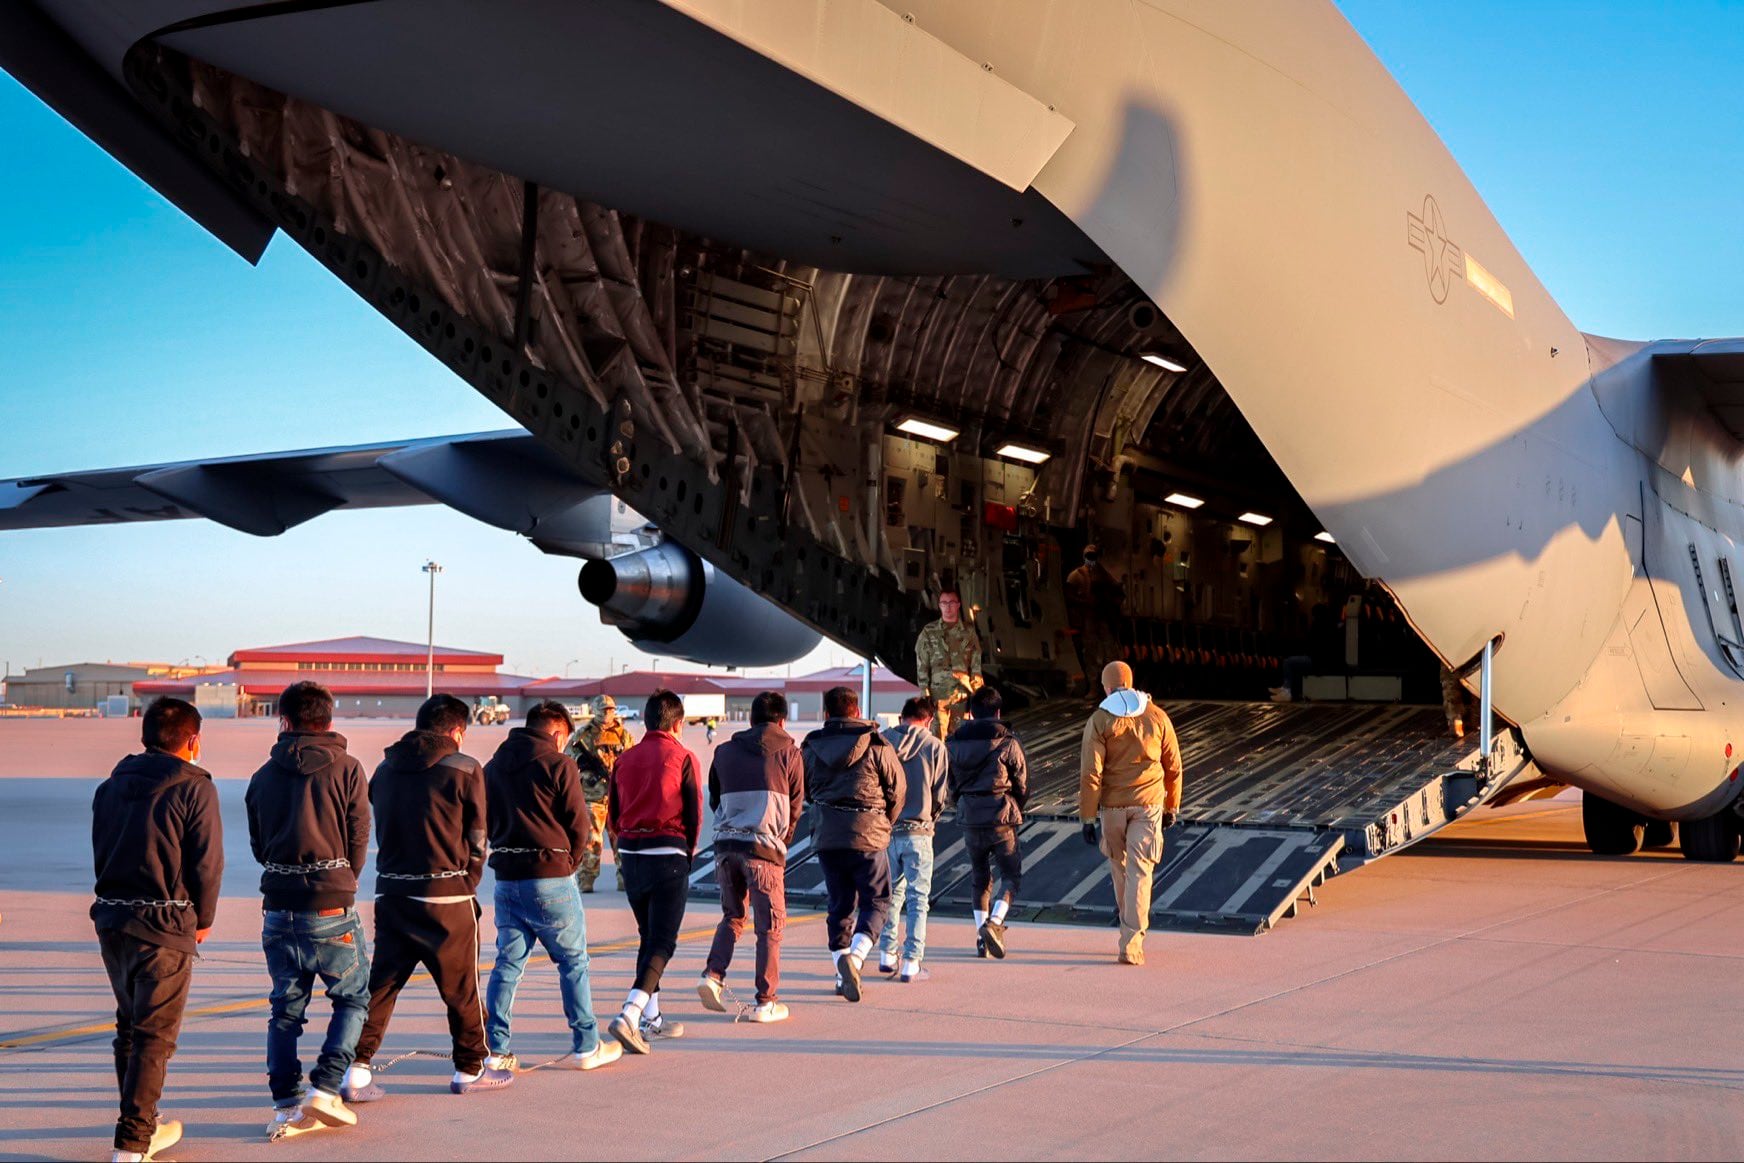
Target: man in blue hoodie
[[158, 849], [308, 826], [925, 766]]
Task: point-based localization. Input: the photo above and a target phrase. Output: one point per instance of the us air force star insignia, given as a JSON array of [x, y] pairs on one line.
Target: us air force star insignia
[[1443, 261]]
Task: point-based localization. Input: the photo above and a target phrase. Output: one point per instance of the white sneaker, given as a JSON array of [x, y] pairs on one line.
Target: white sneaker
[[604, 1054], [330, 1109], [290, 1121], [1281, 694], [502, 1062], [167, 1135], [662, 1027], [709, 991], [769, 1011]]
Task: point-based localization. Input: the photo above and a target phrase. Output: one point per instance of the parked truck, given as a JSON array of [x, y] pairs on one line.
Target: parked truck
[[490, 711]]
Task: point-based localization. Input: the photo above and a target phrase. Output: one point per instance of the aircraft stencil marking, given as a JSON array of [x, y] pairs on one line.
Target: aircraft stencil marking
[[1443, 261]]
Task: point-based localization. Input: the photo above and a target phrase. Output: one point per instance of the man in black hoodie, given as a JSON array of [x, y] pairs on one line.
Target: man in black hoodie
[[853, 778], [308, 825], [989, 783], [540, 827], [429, 804], [158, 850]]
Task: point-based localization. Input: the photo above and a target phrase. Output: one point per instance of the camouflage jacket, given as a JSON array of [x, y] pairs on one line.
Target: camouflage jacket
[[942, 653], [596, 748]]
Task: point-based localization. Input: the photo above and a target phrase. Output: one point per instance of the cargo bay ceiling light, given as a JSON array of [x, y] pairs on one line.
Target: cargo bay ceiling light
[[1165, 362], [1259, 519], [927, 429], [1182, 500], [1323, 535], [1023, 452]]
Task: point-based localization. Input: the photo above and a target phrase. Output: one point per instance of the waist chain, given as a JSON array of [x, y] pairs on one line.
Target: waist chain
[[142, 903], [302, 869], [525, 851], [851, 808], [418, 875]]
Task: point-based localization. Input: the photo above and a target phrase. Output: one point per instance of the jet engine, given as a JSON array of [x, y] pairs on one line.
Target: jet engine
[[668, 601]]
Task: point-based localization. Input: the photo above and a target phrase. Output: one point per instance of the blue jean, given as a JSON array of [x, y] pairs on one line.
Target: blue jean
[[299, 948], [911, 886], [547, 911]]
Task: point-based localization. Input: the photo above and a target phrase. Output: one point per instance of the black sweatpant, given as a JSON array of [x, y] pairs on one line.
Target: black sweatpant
[[657, 887], [987, 847], [855, 883], [151, 991], [443, 939]]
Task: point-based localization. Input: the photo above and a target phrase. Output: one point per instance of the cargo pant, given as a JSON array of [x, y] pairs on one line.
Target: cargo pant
[[1132, 839], [589, 869]]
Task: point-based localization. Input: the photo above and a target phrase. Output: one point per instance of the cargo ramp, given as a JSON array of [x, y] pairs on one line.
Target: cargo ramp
[[1277, 798]]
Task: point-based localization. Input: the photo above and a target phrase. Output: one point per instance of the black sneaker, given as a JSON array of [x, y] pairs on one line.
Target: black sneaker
[[887, 967], [981, 945], [848, 979], [993, 935]]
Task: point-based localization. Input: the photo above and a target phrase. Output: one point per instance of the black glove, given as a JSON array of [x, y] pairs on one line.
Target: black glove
[[1090, 832], [1168, 820]]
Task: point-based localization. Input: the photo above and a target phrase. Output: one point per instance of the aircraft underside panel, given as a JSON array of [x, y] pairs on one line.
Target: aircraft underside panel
[[1277, 799]]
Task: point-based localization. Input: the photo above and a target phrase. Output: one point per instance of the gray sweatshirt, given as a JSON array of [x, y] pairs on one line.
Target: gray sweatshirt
[[926, 765]]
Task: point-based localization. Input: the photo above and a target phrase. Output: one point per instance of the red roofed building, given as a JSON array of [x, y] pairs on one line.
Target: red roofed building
[[369, 677]]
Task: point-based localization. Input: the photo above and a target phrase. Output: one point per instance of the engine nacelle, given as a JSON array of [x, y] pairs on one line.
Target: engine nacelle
[[668, 601]]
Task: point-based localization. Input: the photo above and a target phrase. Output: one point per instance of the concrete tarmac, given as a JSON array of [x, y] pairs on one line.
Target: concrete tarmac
[[1494, 992]]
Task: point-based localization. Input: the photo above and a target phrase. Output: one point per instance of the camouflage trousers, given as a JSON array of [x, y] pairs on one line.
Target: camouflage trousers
[[589, 869], [949, 715]]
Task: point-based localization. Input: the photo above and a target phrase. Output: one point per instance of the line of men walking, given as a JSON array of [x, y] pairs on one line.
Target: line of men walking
[[439, 815]]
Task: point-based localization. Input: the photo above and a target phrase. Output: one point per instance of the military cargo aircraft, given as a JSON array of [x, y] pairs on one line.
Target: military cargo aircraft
[[855, 301]]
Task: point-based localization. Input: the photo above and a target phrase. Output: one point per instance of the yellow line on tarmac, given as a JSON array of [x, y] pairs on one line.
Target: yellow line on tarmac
[[23, 1041]]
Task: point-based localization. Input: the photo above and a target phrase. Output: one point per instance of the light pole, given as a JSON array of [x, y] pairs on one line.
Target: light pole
[[569, 664], [432, 569]]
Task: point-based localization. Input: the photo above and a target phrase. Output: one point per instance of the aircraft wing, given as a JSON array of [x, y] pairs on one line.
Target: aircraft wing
[[506, 479]]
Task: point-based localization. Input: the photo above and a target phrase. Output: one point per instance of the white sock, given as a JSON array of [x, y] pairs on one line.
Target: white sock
[[651, 1011], [463, 1076], [634, 1005], [910, 967], [861, 946], [357, 1077], [999, 910], [130, 1156], [326, 1093], [980, 917]]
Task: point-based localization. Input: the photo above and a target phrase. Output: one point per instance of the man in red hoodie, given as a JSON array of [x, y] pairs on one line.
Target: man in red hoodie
[[654, 808]]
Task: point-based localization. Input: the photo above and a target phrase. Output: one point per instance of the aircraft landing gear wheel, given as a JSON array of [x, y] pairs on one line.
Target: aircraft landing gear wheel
[[1714, 840], [1660, 834], [1611, 829]]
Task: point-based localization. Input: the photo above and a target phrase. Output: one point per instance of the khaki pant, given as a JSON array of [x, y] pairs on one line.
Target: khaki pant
[[1132, 839]]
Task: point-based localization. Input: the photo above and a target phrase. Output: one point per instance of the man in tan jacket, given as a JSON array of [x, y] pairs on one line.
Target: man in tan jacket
[[1130, 779]]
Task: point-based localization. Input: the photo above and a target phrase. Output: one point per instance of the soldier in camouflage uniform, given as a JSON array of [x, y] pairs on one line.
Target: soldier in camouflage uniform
[[596, 748], [948, 661]]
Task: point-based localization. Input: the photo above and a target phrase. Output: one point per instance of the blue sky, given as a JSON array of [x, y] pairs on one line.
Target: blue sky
[[1606, 137]]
